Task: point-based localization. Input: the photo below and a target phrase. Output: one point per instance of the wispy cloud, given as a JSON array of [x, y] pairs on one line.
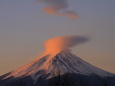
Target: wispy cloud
[[58, 7]]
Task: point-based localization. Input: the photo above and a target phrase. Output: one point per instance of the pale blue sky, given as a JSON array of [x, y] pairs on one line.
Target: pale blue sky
[[24, 28]]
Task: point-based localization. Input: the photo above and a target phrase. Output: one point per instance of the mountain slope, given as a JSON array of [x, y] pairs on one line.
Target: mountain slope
[[62, 69]]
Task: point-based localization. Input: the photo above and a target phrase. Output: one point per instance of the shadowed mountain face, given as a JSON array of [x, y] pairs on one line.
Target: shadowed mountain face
[[68, 79], [62, 69]]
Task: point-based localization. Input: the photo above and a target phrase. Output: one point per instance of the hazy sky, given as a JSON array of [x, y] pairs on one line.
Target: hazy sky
[[24, 28]]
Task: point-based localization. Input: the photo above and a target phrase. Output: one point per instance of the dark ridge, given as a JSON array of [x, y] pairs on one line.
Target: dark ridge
[[25, 81], [71, 79], [68, 79], [3, 76]]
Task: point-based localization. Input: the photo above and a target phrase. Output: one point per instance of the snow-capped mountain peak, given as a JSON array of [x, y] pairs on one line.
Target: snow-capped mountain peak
[[61, 63], [59, 67]]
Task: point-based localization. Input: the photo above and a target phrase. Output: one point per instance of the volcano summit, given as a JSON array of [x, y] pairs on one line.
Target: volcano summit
[[59, 67]]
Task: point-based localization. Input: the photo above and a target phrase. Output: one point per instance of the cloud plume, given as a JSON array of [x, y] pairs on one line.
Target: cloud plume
[[57, 7], [58, 44]]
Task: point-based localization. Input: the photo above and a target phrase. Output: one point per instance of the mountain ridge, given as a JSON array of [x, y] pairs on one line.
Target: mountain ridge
[[51, 67]]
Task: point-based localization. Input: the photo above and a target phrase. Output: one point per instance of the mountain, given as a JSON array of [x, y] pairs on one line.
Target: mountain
[[62, 69]]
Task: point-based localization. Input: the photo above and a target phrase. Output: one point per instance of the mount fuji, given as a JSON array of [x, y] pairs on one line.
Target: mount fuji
[[60, 69], [64, 69]]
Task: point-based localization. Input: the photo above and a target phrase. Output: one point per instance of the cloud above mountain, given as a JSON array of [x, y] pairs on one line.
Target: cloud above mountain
[[57, 7], [58, 44]]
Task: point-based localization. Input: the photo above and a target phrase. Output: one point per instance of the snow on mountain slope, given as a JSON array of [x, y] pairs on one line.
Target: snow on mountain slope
[[62, 63], [59, 67]]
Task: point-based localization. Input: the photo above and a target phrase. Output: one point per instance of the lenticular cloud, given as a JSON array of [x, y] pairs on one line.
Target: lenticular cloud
[[57, 44], [57, 7]]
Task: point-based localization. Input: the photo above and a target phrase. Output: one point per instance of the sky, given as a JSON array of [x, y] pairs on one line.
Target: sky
[[24, 27]]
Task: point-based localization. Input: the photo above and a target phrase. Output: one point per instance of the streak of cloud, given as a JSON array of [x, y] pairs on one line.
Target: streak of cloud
[[57, 7]]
